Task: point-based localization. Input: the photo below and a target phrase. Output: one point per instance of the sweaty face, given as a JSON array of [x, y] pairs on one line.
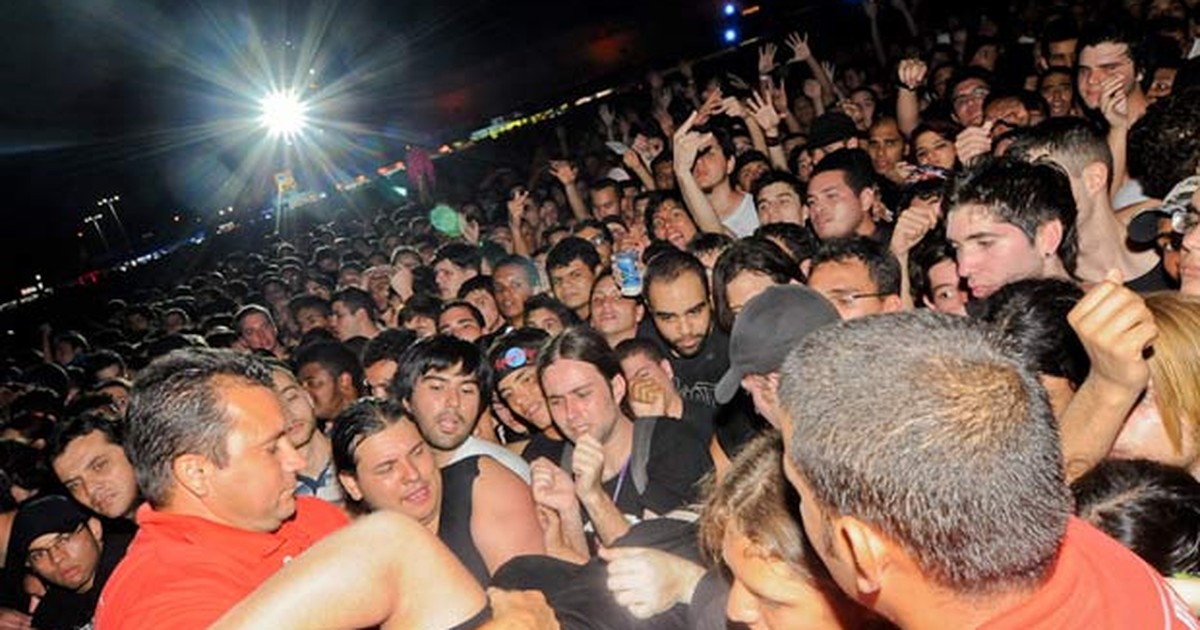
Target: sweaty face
[[446, 405], [681, 312], [886, 146], [932, 149], [766, 594], [258, 333], [68, 559], [522, 393], [322, 386], [394, 470], [780, 203], [255, 489], [449, 277], [581, 400], [848, 285], [297, 408], [835, 211], [673, 224], [99, 476], [572, 283], [967, 102], [459, 322], [1100, 62], [512, 289], [611, 312], [990, 253]]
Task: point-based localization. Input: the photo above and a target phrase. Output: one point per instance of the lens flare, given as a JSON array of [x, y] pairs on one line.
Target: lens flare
[[283, 114]]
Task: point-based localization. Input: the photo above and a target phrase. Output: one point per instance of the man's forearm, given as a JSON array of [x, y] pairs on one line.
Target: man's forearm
[[1090, 423], [610, 524]]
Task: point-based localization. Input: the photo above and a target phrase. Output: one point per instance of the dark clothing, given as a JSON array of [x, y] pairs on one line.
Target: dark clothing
[[1154, 280], [678, 459], [454, 523], [737, 423], [696, 376], [61, 609], [541, 446]]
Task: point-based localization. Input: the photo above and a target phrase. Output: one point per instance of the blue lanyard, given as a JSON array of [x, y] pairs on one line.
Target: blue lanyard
[[620, 481]]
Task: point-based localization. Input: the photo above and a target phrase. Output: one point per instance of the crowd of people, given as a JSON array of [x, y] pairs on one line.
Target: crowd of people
[[909, 342]]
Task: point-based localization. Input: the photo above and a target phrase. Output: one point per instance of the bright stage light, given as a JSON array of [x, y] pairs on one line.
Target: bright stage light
[[283, 113]]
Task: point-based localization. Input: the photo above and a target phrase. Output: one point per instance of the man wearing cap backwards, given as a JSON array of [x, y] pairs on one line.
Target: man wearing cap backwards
[[70, 553], [768, 327], [513, 358]]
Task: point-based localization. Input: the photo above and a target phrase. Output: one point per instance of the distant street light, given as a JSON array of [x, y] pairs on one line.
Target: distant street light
[[112, 208]]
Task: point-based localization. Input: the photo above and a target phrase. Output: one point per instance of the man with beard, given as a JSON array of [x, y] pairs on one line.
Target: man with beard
[[317, 478], [440, 382]]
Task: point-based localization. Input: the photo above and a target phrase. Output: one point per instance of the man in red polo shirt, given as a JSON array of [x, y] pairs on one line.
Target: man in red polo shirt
[[931, 485], [218, 472]]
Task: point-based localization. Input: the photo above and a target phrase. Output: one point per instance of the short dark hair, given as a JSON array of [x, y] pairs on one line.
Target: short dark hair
[[333, 357], [776, 176], [420, 305], [1164, 145], [709, 242], [670, 266], [1150, 507], [389, 344], [855, 166], [965, 74], [100, 359], [1033, 315], [657, 199], [471, 308], [606, 182], [552, 304], [1072, 143], [461, 255], [476, 283], [439, 352], [1057, 29], [640, 347], [305, 301], [929, 251], [882, 266], [176, 409], [570, 249], [353, 425], [1023, 194], [797, 241], [1106, 31], [81, 426], [527, 265], [950, 438], [752, 254], [356, 300]]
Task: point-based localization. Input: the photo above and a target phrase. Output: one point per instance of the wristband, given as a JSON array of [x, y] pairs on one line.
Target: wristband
[[774, 141]]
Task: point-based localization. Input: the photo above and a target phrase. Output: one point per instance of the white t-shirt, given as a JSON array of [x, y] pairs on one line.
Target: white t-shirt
[[507, 458], [744, 219]]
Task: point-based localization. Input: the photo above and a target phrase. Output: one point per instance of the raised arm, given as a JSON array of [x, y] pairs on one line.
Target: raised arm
[[911, 74], [567, 174], [687, 145]]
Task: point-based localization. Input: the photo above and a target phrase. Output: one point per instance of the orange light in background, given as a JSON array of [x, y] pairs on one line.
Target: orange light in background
[[751, 10]]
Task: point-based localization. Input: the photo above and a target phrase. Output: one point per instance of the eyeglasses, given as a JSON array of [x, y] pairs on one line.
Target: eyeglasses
[[978, 94], [1184, 220], [41, 554]]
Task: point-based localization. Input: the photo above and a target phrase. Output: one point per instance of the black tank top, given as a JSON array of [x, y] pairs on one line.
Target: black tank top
[[454, 524]]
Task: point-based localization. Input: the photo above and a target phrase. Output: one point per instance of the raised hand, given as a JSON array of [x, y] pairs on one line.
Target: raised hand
[[470, 230], [766, 58], [812, 89], [737, 82], [799, 45], [764, 113], [830, 70], [552, 487], [779, 97], [607, 116], [647, 398], [731, 106], [973, 142], [587, 464], [687, 143], [565, 172], [1115, 328], [711, 107], [914, 223], [911, 73]]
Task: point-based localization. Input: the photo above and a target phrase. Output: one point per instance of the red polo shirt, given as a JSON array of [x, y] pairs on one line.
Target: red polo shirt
[[1097, 584], [185, 572]]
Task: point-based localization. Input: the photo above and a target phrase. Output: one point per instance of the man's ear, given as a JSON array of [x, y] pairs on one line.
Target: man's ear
[[892, 304], [666, 367], [865, 552], [351, 485], [345, 384], [1048, 237], [96, 527], [1095, 179], [618, 388], [867, 199], [192, 471]]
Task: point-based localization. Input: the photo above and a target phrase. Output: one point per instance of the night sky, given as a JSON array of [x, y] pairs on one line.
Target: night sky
[[156, 100]]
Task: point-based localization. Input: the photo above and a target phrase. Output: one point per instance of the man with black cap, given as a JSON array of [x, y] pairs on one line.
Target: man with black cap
[[831, 131], [70, 553], [768, 327], [1175, 222]]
